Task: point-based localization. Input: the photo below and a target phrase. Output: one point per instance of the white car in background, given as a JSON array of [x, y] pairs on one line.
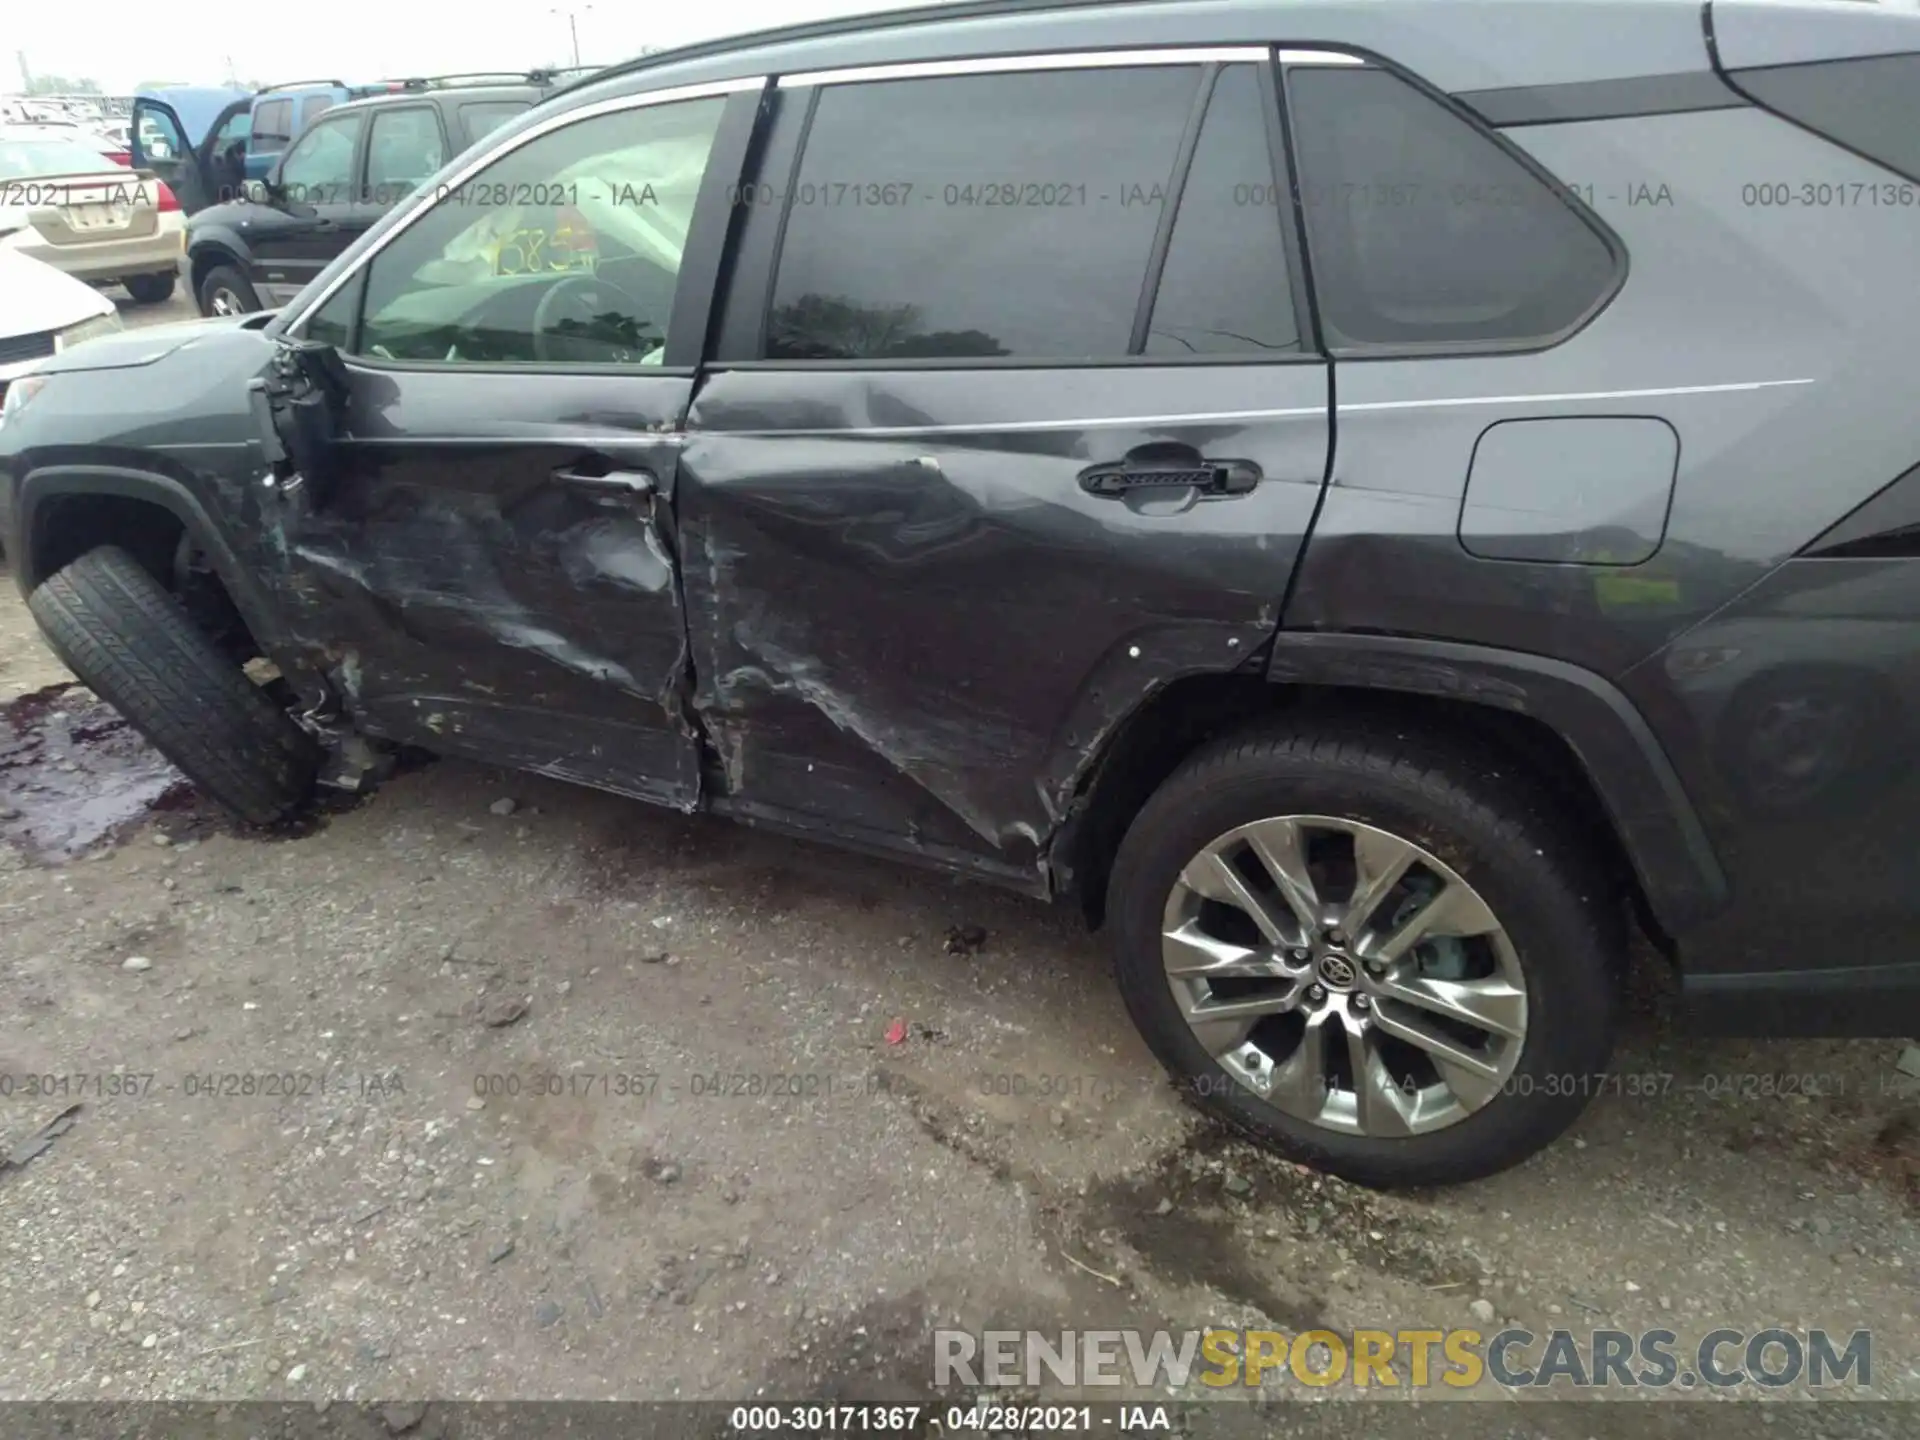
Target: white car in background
[[64, 201], [42, 313]]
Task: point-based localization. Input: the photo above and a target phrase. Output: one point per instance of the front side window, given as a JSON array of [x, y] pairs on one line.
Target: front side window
[[566, 250], [1425, 231], [980, 215], [403, 148], [318, 170]]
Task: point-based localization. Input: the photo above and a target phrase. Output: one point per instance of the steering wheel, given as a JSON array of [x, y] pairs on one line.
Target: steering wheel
[[581, 299]]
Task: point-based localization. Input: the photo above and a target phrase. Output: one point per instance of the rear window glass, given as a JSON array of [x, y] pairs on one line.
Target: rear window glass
[[1871, 106], [313, 107], [273, 120], [489, 115], [20, 159], [1425, 231]]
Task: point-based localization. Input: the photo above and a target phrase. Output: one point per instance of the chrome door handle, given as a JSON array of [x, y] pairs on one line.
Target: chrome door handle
[[1212, 478]]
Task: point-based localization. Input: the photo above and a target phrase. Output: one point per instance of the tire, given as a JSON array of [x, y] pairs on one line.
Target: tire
[[150, 289], [131, 643], [224, 280], [1560, 945]]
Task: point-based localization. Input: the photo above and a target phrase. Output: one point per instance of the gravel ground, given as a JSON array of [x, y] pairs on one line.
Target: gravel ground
[[491, 1088]]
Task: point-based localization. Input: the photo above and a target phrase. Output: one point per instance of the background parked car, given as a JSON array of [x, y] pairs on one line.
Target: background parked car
[[64, 202], [355, 163], [111, 138], [43, 312]]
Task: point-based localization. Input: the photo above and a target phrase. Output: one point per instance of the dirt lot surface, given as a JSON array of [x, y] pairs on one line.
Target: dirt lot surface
[[493, 1088]]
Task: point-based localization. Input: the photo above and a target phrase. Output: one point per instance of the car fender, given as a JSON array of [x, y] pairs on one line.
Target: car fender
[[1654, 817], [219, 245], [39, 487]]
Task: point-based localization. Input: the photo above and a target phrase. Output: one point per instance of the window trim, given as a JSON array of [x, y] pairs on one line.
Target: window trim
[[1212, 61], [1050, 60], [499, 150], [1450, 349]]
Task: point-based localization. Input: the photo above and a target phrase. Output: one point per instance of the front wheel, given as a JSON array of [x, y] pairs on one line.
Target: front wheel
[[132, 644], [1375, 953], [149, 289], [225, 291]]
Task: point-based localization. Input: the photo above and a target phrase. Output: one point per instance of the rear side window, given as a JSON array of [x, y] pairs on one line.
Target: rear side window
[[1223, 289], [1425, 231], [1871, 106], [313, 107], [981, 215], [489, 115], [273, 124], [403, 148]]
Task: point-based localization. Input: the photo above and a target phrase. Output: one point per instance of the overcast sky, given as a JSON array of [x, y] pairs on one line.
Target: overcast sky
[[122, 42]]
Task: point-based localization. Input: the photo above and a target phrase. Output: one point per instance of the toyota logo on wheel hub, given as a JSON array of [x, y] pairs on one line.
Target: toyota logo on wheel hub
[[1337, 972]]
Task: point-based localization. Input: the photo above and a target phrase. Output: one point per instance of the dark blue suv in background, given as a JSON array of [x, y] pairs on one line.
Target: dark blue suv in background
[[355, 162]]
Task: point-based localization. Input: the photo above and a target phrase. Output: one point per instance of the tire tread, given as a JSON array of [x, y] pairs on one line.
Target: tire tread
[[129, 641]]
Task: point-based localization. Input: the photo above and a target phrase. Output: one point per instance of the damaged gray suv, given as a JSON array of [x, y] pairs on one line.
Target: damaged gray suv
[[1378, 503]]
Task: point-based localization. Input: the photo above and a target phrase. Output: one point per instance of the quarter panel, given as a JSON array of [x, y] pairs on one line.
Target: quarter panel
[[1801, 705], [1758, 333]]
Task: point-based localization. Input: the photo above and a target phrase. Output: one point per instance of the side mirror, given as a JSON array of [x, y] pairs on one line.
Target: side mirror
[[299, 407]]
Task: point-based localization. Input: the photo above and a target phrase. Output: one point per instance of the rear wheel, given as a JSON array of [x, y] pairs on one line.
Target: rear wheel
[[1375, 953], [131, 643], [225, 291], [149, 289]]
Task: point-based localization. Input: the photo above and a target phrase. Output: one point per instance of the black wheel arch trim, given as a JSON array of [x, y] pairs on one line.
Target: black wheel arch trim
[[1652, 814], [56, 482], [219, 247]]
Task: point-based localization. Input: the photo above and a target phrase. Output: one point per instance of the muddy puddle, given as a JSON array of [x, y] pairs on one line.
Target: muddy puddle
[[74, 776]]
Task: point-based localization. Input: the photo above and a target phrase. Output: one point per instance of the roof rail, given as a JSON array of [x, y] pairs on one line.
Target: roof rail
[[826, 29], [554, 74], [299, 85], [471, 77]]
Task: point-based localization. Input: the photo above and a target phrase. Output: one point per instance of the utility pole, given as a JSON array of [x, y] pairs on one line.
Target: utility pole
[[573, 27], [26, 75]]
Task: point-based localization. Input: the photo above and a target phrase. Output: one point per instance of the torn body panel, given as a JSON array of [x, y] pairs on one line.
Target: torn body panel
[[911, 617], [491, 589]]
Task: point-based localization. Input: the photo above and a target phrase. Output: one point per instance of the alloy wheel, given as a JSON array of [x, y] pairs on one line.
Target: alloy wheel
[[1345, 975]]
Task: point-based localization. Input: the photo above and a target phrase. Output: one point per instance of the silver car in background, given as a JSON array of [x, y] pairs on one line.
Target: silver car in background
[[64, 202]]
